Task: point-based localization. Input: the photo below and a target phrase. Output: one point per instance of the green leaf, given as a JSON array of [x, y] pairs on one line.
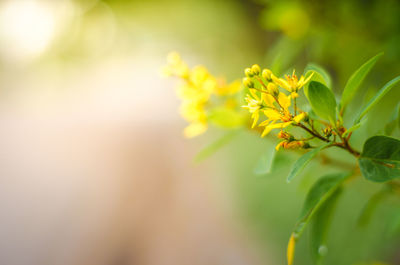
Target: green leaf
[[226, 118], [393, 121], [316, 77], [393, 227], [320, 226], [322, 73], [316, 197], [215, 146], [371, 205], [377, 97], [299, 165], [380, 159], [265, 163], [322, 101], [356, 79]]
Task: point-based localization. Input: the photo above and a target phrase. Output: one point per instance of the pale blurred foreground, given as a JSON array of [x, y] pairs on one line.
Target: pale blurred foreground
[[94, 168], [95, 171]]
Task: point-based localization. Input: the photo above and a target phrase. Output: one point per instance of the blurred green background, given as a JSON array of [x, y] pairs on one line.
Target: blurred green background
[[226, 36]]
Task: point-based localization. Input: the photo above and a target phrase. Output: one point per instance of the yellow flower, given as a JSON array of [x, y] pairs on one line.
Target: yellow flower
[[254, 105], [175, 67], [279, 118], [193, 111], [200, 78], [292, 83], [196, 91]]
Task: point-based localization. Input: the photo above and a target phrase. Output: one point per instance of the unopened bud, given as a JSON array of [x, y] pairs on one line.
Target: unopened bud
[[306, 117], [283, 135], [295, 145], [248, 72], [247, 82], [272, 89], [266, 74], [327, 131], [256, 69]]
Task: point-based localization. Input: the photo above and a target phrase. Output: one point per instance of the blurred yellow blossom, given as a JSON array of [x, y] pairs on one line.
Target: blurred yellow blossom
[[197, 90]]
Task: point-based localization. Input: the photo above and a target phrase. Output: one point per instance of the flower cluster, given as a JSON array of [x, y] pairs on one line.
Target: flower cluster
[[271, 101], [265, 98], [196, 90]]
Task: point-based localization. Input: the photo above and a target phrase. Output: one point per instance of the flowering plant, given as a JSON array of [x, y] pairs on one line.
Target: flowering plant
[[311, 127]]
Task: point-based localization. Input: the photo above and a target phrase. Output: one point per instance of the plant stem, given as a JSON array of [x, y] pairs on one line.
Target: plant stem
[[344, 145], [314, 133]]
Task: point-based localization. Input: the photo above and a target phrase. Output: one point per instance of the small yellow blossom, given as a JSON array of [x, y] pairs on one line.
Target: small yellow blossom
[[175, 67], [254, 105], [280, 117], [197, 90], [292, 83], [272, 103]]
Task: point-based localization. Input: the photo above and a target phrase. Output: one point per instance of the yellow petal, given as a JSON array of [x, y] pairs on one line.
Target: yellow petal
[[290, 250], [272, 114], [281, 82], [301, 80], [280, 125], [266, 131], [284, 100], [265, 123], [254, 94], [268, 99], [299, 117], [306, 81], [256, 116]]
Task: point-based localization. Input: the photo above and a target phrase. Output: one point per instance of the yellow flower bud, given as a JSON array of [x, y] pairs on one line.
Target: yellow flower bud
[[248, 72], [283, 135], [327, 131], [294, 145], [256, 69], [247, 82], [272, 89], [266, 73]]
